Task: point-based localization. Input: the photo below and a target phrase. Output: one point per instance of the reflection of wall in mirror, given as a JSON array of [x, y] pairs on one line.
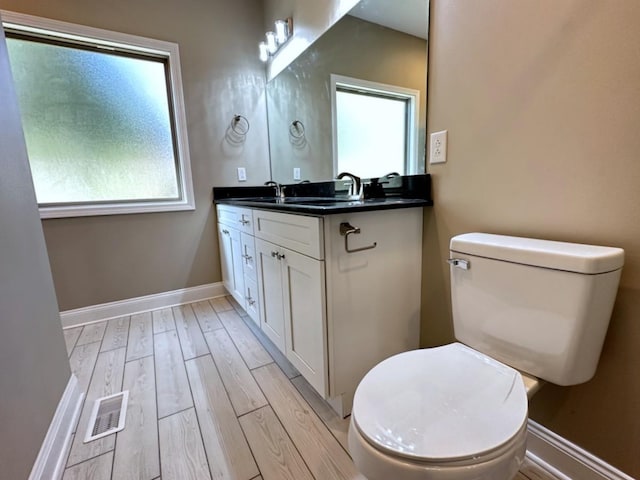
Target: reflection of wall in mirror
[[354, 48]]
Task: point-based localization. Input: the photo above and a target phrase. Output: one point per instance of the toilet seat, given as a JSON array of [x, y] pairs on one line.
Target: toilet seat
[[443, 405]]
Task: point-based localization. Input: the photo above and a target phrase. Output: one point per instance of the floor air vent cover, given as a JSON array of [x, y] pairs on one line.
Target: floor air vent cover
[[107, 416]]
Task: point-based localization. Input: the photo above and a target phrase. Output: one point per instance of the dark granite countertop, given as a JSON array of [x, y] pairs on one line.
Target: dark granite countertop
[[327, 198], [325, 206]]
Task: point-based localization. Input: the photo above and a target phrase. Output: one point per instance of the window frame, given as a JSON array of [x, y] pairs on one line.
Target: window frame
[[411, 96], [65, 32]]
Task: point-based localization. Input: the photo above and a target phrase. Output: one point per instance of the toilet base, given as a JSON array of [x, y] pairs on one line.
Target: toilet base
[[374, 464]]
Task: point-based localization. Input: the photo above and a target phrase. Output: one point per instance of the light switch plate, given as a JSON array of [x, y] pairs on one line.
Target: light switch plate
[[242, 174], [296, 173], [438, 147]]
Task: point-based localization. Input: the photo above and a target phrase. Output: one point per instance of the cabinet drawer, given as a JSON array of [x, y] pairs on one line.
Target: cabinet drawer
[[236, 217], [297, 232]]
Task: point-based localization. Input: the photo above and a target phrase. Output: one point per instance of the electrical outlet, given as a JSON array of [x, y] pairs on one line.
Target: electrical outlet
[[296, 173], [438, 147], [242, 174]]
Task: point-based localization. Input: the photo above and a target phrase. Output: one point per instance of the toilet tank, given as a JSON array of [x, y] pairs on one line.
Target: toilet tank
[[542, 307]]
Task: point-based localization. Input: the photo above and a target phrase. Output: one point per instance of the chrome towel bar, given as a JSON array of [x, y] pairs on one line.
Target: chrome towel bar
[[347, 229]]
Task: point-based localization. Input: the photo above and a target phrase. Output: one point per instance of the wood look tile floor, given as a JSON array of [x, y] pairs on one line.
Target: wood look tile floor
[[209, 398]]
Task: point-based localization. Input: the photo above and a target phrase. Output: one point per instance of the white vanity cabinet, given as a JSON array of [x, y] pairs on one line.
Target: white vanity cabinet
[[237, 257], [373, 295], [231, 261], [251, 294], [336, 313], [291, 281]]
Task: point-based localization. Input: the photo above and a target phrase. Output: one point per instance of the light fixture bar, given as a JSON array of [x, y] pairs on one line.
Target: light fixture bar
[[275, 39]]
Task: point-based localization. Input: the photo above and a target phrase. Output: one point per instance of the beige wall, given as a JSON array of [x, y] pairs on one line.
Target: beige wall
[[102, 259], [34, 369], [542, 102], [353, 48]]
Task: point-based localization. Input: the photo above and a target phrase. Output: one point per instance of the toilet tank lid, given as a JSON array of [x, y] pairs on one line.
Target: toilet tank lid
[[572, 257]]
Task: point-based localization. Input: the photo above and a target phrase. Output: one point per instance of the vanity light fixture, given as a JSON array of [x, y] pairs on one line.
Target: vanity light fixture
[[264, 53], [282, 31], [272, 45], [275, 39]]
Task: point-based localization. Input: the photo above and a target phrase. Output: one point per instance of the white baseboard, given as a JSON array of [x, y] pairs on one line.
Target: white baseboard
[[49, 464], [565, 460], [131, 306]]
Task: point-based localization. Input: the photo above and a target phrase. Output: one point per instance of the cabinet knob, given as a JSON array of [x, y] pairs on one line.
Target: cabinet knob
[[226, 232], [247, 257], [243, 221], [277, 255]]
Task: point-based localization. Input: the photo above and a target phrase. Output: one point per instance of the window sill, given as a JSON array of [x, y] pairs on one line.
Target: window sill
[[113, 209]]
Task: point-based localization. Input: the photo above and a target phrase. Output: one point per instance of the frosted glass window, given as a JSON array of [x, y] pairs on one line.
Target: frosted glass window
[[372, 133], [100, 121]]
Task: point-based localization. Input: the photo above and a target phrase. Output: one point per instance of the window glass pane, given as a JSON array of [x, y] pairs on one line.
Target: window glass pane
[[97, 125], [371, 134]]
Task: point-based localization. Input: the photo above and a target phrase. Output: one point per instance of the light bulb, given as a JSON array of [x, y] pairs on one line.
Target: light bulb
[[264, 54], [282, 31], [272, 45]]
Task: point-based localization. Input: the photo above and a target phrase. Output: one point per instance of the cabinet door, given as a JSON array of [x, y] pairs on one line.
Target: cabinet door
[[231, 259], [304, 316], [249, 256], [226, 257], [253, 299], [269, 271]]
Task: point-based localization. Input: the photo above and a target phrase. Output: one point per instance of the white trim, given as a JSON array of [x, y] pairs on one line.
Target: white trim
[[131, 306], [49, 464], [411, 95], [134, 43], [565, 460]]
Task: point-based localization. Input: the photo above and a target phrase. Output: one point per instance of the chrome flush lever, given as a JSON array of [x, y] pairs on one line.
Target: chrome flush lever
[[460, 263]]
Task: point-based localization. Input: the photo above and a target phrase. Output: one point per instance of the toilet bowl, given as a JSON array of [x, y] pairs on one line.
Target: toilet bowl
[[445, 413], [459, 411]]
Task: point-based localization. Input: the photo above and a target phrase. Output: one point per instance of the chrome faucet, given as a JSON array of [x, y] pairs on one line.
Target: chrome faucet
[[279, 188], [355, 190]]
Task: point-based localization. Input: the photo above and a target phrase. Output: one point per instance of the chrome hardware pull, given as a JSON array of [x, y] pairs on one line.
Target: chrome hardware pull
[[347, 229], [280, 256], [459, 263], [247, 257], [277, 255], [243, 221], [226, 232], [274, 254]]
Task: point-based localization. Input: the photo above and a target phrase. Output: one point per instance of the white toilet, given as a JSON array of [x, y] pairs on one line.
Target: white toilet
[[523, 309]]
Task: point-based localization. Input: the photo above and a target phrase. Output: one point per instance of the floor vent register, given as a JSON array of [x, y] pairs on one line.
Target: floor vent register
[[107, 416]]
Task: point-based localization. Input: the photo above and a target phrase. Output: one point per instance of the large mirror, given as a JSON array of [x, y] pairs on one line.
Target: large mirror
[[356, 99]]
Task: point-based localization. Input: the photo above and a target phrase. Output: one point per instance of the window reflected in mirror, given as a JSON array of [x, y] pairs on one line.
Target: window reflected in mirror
[[374, 128]]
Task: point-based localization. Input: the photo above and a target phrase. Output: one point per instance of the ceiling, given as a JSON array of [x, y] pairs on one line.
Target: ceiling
[[408, 16]]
